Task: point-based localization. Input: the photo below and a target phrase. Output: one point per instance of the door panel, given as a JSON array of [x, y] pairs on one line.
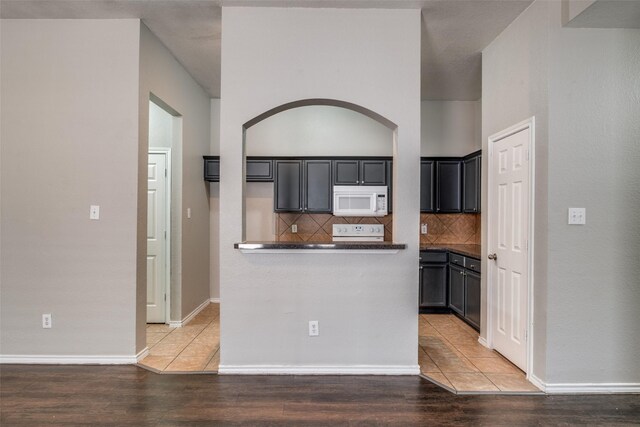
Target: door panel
[[288, 188], [456, 289], [318, 189], [509, 231], [156, 238]]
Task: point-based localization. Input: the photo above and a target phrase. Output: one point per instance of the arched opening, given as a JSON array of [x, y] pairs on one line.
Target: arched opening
[[306, 143]]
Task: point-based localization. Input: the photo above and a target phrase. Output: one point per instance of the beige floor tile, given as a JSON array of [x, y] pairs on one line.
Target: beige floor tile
[[154, 337], [470, 382], [426, 364], [440, 378], [475, 350], [187, 364], [159, 327], [167, 349], [199, 349], [459, 338], [494, 365], [157, 362], [214, 363], [453, 365], [512, 382]]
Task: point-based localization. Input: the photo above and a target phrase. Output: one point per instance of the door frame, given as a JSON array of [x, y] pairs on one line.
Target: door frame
[[167, 207], [525, 124]]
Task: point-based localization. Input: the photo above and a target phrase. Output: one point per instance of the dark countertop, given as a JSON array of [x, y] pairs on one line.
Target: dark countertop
[[319, 245], [474, 251]]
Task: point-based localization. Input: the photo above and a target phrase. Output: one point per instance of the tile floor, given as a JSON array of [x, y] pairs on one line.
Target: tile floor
[[194, 348], [450, 354]]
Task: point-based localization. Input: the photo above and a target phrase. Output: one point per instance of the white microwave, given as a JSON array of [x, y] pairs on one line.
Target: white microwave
[[359, 200]]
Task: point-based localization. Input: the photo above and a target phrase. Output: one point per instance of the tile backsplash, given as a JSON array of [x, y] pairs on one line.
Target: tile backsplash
[[451, 229], [441, 228], [318, 227]]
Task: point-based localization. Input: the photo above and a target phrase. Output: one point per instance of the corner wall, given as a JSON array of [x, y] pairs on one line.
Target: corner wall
[[366, 304], [69, 134]]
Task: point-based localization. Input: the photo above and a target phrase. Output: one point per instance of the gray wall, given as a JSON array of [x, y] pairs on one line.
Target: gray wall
[[162, 76], [450, 128], [582, 86], [69, 140], [367, 306]]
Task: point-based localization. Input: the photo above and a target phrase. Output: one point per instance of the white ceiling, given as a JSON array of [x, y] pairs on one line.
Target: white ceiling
[[454, 32]]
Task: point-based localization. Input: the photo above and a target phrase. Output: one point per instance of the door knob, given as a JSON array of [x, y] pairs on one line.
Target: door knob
[[493, 257]]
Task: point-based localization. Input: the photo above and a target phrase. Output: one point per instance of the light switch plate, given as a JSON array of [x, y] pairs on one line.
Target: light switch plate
[[577, 216], [94, 212], [189, 213]]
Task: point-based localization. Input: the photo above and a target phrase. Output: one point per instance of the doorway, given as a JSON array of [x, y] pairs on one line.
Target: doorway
[[510, 243], [158, 235]]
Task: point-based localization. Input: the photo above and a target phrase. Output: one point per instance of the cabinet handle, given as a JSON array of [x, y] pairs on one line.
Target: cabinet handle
[[357, 182], [462, 272], [472, 266]]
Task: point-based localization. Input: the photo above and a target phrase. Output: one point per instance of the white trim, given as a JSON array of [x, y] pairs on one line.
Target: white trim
[[584, 388], [143, 353], [483, 342], [167, 182], [530, 124], [214, 300], [190, 316], [537, 382], [319, 370], [69, 360]]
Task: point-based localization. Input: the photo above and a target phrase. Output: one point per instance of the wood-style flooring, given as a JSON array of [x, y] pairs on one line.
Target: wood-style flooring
[[129, 395]]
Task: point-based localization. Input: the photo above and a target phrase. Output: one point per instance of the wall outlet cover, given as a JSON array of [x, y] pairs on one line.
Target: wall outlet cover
[[313, 328], [577, 216], [94, 212]]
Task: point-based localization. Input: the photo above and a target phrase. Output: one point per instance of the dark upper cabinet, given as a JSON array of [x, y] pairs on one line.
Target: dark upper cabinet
[[288, 186], [259, 170], [471, 185], [456, 289], [212, 168], [359, 172], [318, 191], [373, 172], [389, 168], [427, 181], [449, 186], [346, 172], [472, 298]]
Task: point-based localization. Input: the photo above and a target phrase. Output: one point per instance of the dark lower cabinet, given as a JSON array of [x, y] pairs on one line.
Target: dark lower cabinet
[[433, 285], [472, 299], [288, 186], [456, 289], [318, 191]]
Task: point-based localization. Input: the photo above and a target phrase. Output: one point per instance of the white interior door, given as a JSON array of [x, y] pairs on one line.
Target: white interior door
[[508, 235], [156, 238]]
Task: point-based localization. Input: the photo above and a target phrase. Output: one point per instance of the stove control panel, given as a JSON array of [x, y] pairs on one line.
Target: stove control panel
[[358, 230]]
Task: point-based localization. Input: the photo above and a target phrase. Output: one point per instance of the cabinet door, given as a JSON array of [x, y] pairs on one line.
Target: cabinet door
[[472, 299], [389, 186], [318, 192], [449, 185], [471, 187], [260, 170], [456, 289], [433, 285], [373, 172], [346, 172], [288, 186], [427, 175], [212, 170]]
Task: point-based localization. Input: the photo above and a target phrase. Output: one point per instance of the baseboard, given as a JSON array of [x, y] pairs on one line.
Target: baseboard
[[591, 388], [143, 353], [215, 300], [190, 316], [483, 342], [319, 370], [69, 360], [537, 382]]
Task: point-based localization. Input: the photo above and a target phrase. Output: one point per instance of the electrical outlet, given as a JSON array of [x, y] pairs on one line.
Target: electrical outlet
[[423, 228], [294, 228], [577, 216], [94, 212], [313, 328], [46, 321]]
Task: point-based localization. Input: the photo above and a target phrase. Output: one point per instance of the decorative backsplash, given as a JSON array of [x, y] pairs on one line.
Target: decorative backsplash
[[451, 228], [441, 228], [318, 227]]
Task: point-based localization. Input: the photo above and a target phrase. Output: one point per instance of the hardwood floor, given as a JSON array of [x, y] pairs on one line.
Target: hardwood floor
[[129, 395]]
